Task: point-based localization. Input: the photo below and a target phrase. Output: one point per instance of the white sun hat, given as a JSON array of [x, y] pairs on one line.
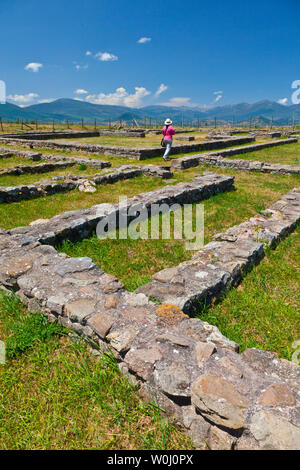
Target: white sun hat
[[168, 122]]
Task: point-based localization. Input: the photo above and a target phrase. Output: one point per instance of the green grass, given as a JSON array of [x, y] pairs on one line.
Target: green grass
[[15, 161], [15, 180], [285, 154], [263, 312], [56, 395]]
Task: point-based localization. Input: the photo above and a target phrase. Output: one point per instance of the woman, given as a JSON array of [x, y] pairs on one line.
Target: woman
[[168, 132]]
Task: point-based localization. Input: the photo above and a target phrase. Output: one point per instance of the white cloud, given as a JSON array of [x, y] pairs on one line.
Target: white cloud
[[106, 56], [33, 66], [88, 53], [120, 97], [23, 99], [178, 101], [81, 91], [283, 101], [46, 100], [81, 67], [218, 97], [144, 40], [160, 89]]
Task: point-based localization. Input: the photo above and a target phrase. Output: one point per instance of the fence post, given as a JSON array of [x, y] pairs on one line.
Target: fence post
[[1, 124]]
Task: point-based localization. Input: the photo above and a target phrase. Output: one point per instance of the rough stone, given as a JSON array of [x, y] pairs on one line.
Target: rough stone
[[101, 323], [277, 395], [111, 302], [122, 339], [274, 432], [220, 401], [203, 351], [78, 310], [173, 379], [141, 361]]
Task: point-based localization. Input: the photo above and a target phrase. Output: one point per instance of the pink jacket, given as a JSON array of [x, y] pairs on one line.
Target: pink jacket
[[169, 134]]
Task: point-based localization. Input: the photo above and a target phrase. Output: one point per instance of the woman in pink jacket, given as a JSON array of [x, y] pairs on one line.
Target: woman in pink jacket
[[168, 132]]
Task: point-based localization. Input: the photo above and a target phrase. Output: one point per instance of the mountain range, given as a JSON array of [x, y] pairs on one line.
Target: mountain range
[[64, 109]]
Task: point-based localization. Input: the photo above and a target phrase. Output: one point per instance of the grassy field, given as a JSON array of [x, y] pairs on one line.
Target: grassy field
[[285, 154], [15, 180], [56, 395], [15, 161], [150, 140]]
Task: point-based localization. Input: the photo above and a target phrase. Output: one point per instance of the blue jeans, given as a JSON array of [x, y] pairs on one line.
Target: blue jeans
[[168, 148]]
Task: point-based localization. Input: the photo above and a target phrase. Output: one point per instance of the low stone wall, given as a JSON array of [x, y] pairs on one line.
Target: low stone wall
[[131, 152], [79, 224], [6, 155], [218, 159], [33, 191], [39, 168], [230, 401], [223, 262], [246, 165], [62, 184], [60, 158], [74, 134]]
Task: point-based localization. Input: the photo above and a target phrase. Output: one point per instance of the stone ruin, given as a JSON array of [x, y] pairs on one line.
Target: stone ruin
[[222, 398]]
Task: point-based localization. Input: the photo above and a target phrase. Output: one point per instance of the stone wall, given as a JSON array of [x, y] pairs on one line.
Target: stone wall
[[240, 164], [130, 152], [61, 184], [79, 224], [74, 134], [247, 401], [39, 168], [58, 158], [218, 159]]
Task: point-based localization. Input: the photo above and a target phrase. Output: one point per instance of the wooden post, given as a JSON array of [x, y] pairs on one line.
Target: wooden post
[[22, 124], [81, 123], [215, 122], [95, 124], [1, 123], [271, 127]]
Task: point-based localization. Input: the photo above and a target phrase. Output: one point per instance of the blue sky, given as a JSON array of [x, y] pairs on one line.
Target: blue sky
[[195, 52]]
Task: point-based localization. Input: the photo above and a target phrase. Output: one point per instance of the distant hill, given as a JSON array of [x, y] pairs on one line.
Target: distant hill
[[75, 110]]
